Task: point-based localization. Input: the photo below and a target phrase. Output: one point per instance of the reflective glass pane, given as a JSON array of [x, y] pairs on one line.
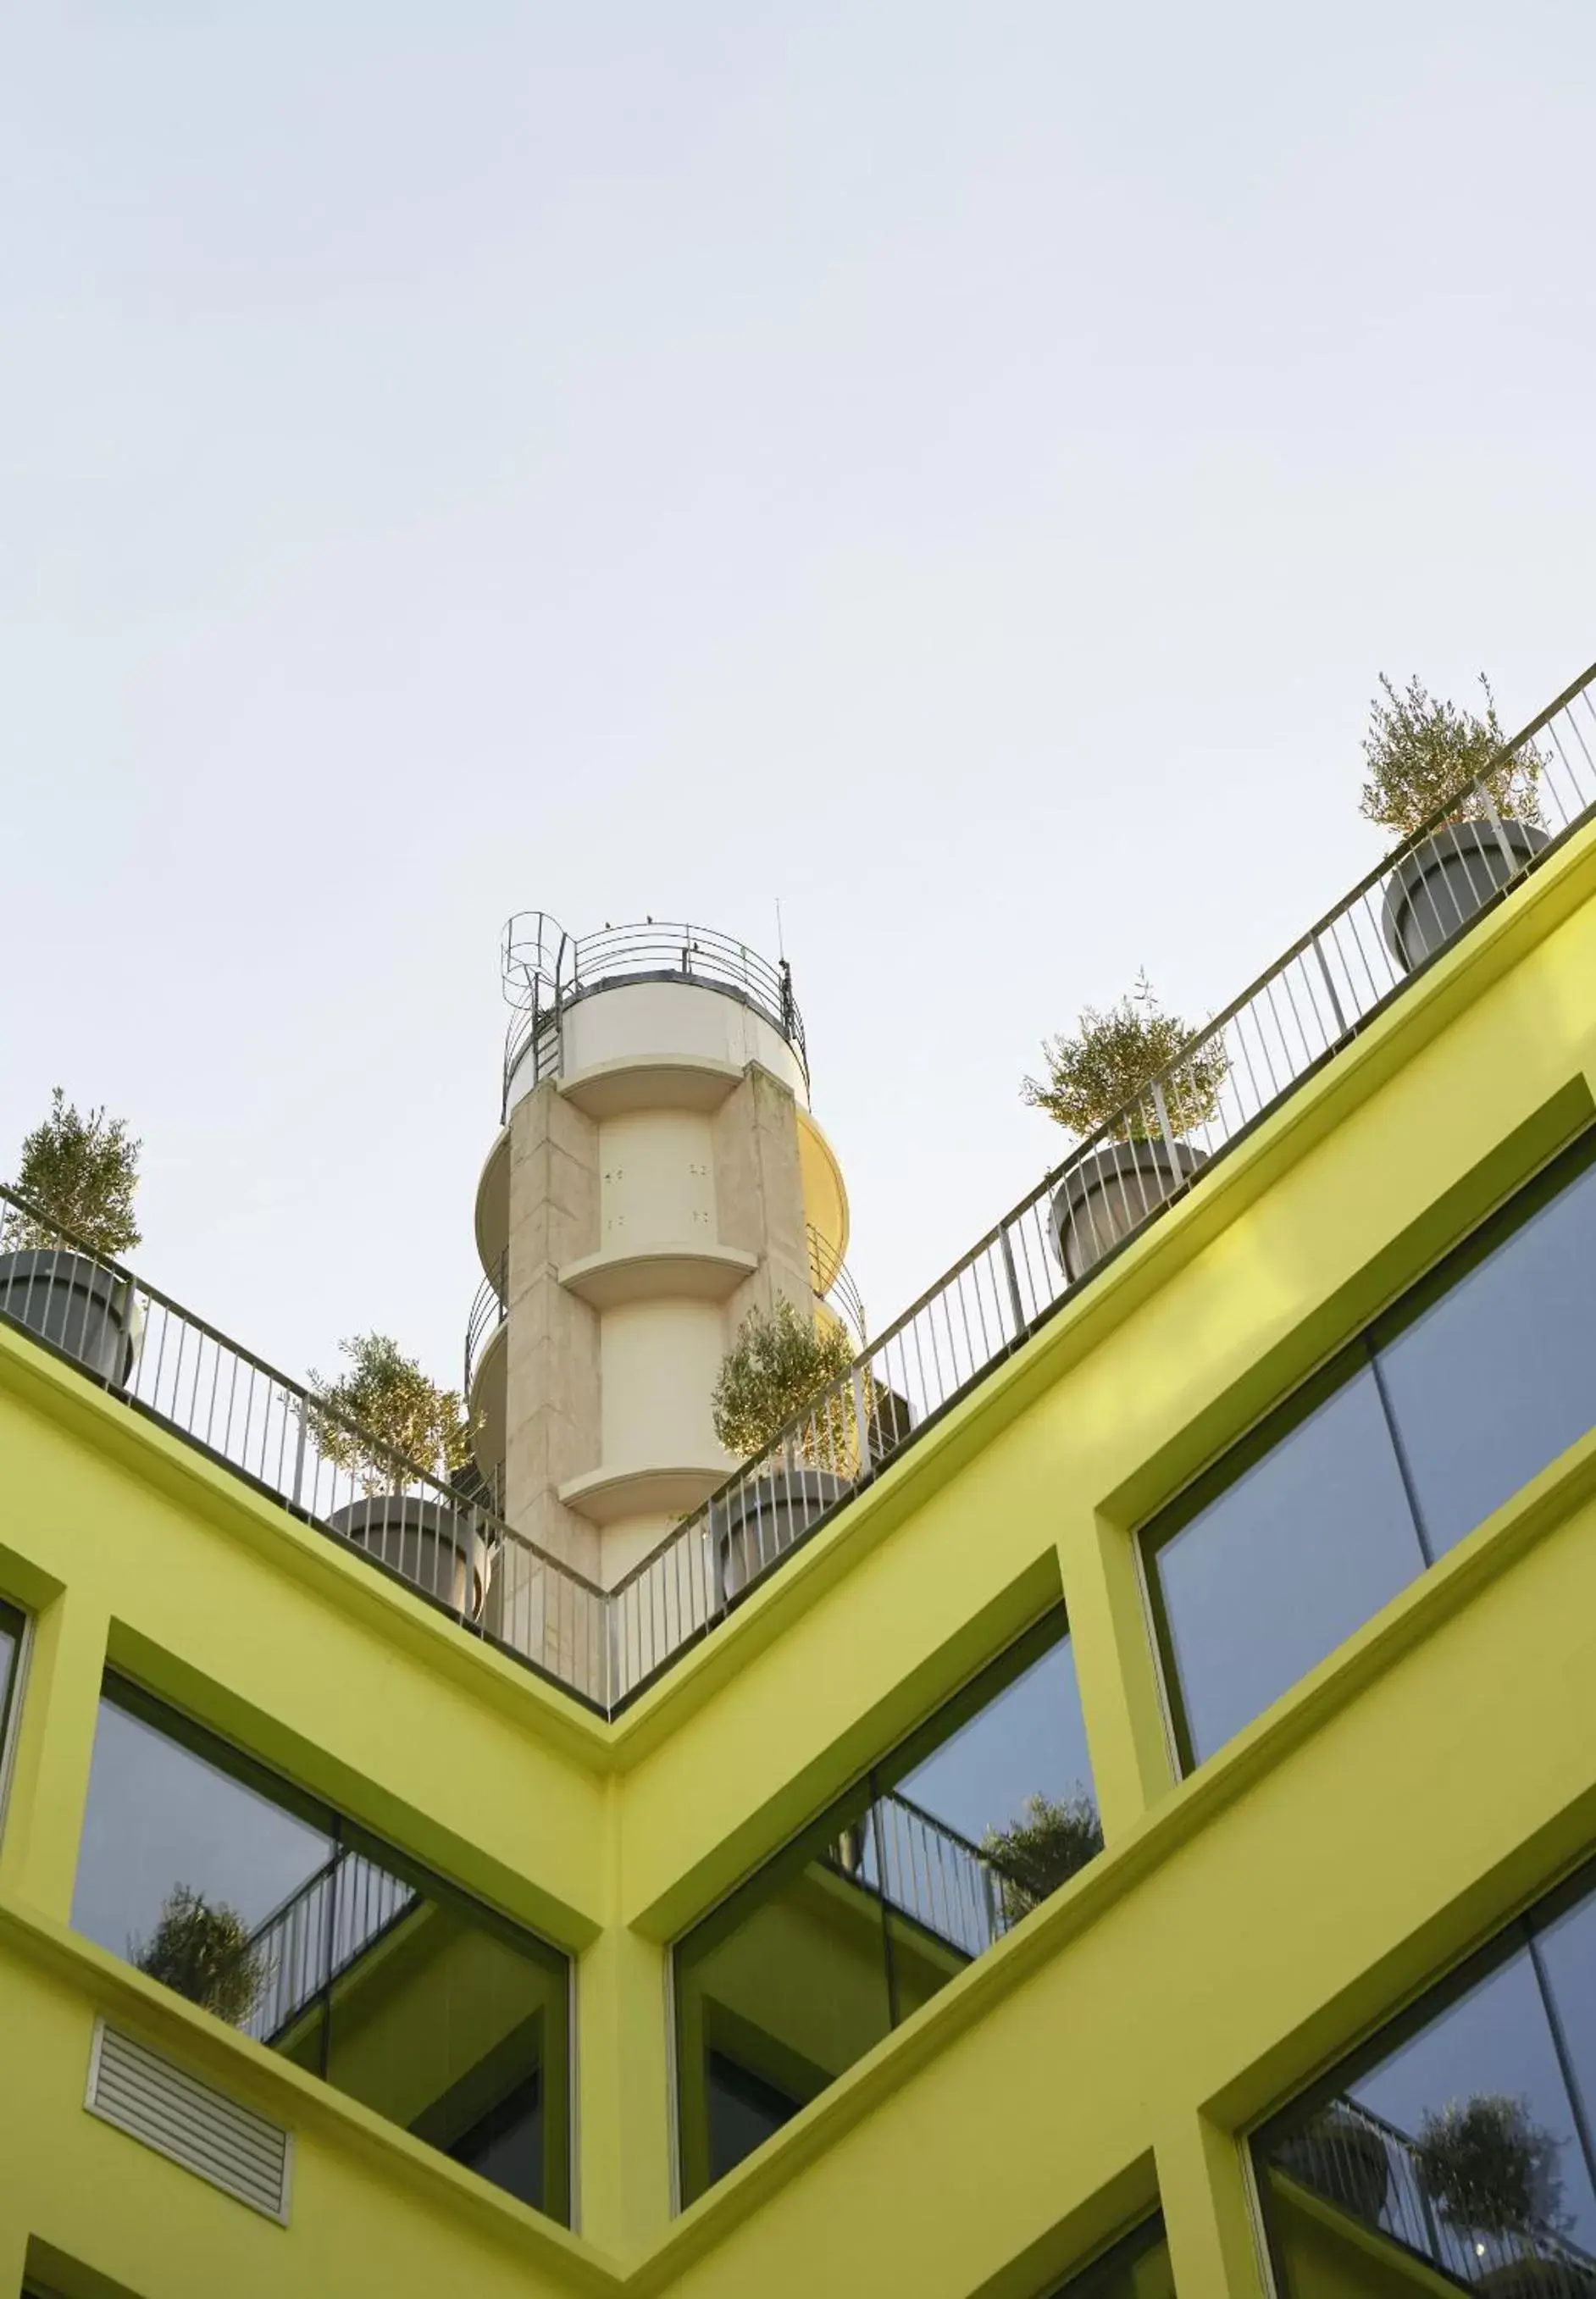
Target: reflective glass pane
[[1498, 1376], [187, 1871], [1566, 1948], [1307, 1535], [229, 1886], [973, 1835], [1459, 2145], [957, 1835], [11, 1644], [1136, 2269], [444, 2021], [778, 1992]]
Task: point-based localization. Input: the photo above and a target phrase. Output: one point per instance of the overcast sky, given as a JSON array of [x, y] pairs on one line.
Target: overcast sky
[[955, 470]]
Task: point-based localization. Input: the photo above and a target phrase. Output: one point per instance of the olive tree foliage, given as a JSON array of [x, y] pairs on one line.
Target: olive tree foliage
[[1490, 2168], [402, 1420], [1043, 1848], [81, 1171], [779, 1364], [1101, 1076], [201, 1949], [1423, 753]]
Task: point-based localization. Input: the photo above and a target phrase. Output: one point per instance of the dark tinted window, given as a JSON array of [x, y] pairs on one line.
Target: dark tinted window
[[889, 1896], [1462, 2138], [1284, 1552], [744, 2111], [11, 1646], [1445, 1409], [1136, 2269], [276, 1915], [1496, 1377]]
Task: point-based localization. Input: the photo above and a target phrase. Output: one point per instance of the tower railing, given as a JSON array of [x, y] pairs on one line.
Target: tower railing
[[487, 1314], [545, 971], [832, 1281], [606, 1646]]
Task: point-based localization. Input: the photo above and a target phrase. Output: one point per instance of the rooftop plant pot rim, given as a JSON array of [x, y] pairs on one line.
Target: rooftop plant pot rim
[[449, 1526], [1446, 855], [1114, 1177], [771, 1498], [46, 1273]]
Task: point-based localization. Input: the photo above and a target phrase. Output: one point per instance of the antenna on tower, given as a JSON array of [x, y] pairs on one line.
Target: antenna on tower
[[781, 948]]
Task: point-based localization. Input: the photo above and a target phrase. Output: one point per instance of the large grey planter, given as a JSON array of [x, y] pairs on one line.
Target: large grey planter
[[1105, 1197], [765, 1516], [1446, 880], [83, 1310], [433, 1547]]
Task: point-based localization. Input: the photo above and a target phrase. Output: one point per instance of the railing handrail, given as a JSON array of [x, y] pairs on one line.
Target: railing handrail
[[547, 971], [489, 1309]]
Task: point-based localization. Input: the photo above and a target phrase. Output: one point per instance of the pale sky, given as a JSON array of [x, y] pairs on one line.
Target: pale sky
[[956, 470]]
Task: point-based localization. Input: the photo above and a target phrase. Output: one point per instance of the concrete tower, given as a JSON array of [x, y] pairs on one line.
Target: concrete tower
[[657, 1174]]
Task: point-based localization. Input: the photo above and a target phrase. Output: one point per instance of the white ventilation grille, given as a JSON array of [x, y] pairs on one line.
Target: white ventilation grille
[[146, 2096]]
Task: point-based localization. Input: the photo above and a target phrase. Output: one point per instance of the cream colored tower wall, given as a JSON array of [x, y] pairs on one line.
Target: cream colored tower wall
[[638, 1022], [760, 1193], [657, 1180], [656, 1194], [552, 1339]]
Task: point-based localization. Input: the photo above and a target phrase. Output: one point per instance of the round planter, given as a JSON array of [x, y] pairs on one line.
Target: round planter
[[1109, 1194], [1535, 2278], [764, 1518], [86, 1312], [433, 1547], [1446, 879], [1345, 2161]]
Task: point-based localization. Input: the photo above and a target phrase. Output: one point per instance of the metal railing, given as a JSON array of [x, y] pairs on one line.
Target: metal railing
[[1369, 2168], [317, 1933], [832, 1281], [170, 1366], [1222, 1083], [606, 1647], [488, 1311], [933, 1875], [544, 971]]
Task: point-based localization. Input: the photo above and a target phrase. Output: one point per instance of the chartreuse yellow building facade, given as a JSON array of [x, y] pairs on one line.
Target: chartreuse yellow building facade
[[741, 2050]]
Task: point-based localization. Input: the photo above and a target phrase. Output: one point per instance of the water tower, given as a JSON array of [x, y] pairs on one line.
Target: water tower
[[657, 1174]]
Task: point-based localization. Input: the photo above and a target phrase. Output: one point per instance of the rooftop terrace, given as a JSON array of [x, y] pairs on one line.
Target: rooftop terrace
[[161, 1360]]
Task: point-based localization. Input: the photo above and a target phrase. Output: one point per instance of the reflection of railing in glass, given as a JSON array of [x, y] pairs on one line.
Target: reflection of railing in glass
[[1370, 2170], [317, 1933], [937, 1878]]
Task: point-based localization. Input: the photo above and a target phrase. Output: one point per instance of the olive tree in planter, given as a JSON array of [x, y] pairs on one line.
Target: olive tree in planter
[[78, 1174], [1044, 1847], [203, 1949], [782, 1364], [1490, 2169], [1430, 759], [1114, 1074], [380, 1422]]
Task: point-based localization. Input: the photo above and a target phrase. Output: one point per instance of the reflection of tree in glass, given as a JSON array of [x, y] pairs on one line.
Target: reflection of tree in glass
[[1043, 1848], [202, 1952], [1490, 2168]]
